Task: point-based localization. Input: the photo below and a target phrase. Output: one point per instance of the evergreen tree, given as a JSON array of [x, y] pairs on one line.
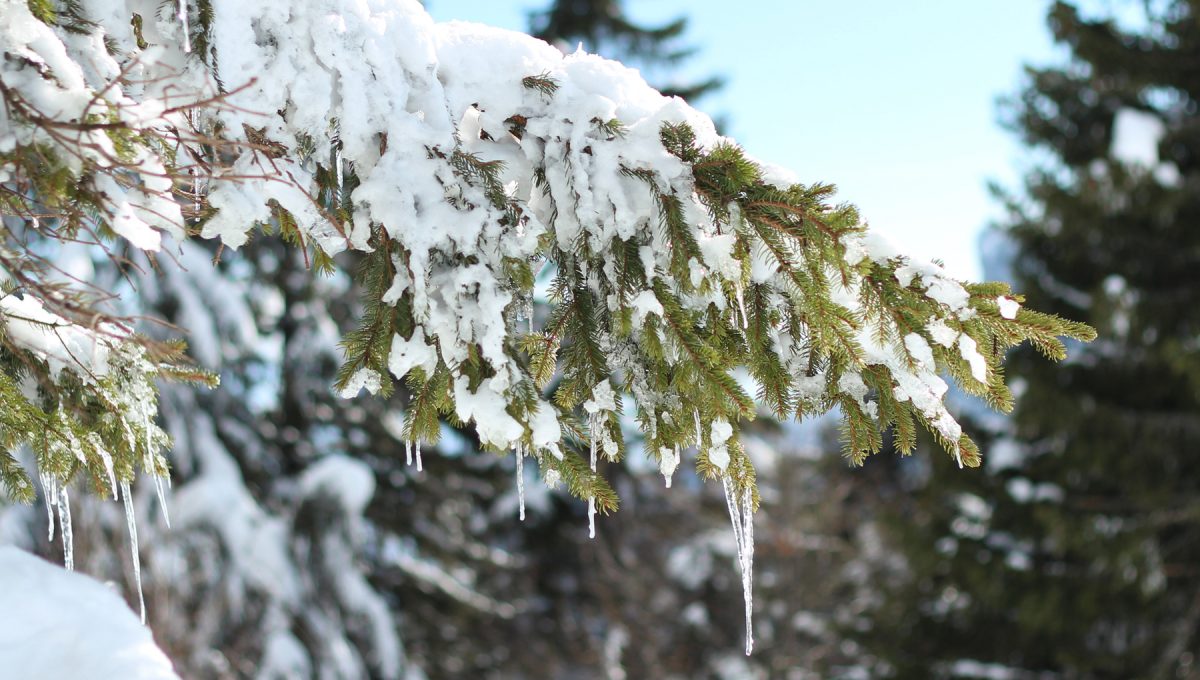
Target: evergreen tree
[[1076, 554], [604, 27]]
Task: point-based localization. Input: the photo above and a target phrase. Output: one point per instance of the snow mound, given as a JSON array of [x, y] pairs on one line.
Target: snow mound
[[60, 624]]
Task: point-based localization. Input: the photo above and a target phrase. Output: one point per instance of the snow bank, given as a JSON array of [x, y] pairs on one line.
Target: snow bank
[[60, 624]]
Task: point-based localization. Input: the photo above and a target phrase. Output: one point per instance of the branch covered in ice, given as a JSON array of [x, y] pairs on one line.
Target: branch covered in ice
[[90, 149]]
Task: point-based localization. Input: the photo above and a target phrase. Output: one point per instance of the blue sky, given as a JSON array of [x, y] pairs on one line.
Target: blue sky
[[895, 102]]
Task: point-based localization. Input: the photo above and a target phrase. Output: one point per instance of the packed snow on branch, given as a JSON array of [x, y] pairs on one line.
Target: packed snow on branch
[[429, 118], [53, 339]]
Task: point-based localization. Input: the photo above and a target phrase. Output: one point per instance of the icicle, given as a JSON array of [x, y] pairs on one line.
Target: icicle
[[699, 436], [158, 480], [528, 311], [521, 479], [408, 452], [64, 520], [183, 19], [108, 469], [162, 498], [741, 515], [958, 456], [50, 492], [748, 571], [131, 523], [593, 428], [668, 462], [418, 455], [741, 300]]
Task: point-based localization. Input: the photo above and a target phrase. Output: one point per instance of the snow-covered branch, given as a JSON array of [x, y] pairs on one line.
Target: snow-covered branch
[[544, 238]]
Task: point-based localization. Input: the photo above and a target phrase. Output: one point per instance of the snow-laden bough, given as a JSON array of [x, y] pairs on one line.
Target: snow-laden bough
[[474, 168]]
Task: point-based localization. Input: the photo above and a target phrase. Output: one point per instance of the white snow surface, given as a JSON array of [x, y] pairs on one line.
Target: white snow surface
[[1135, 137], [718, 454], [1008, 307], [345, 479], [60, 343], [61, 624]]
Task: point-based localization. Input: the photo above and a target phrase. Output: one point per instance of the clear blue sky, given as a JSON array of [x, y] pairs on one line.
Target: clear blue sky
[[895, 102]]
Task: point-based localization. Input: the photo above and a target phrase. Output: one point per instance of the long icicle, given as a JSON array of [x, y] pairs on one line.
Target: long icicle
[[408, 452], [162, 498], [593, 427], [158, 480], [748, 570], [131, 523], [521, 479], [50, 492], [741, 515], [64, 520], [419, 468]]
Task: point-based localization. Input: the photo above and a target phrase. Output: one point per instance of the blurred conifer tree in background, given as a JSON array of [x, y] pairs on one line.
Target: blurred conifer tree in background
[[1077, 554]]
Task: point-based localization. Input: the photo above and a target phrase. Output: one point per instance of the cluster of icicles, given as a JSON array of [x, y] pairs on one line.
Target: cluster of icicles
[[739, 502], [59, 501]]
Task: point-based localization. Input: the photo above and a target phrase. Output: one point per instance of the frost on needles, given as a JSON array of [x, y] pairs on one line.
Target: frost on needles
[[690, 288]]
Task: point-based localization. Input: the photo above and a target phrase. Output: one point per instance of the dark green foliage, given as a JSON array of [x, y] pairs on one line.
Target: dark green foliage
[[1083, 560], [44, 10], [603, 27], [98, 428], [368, 346]]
